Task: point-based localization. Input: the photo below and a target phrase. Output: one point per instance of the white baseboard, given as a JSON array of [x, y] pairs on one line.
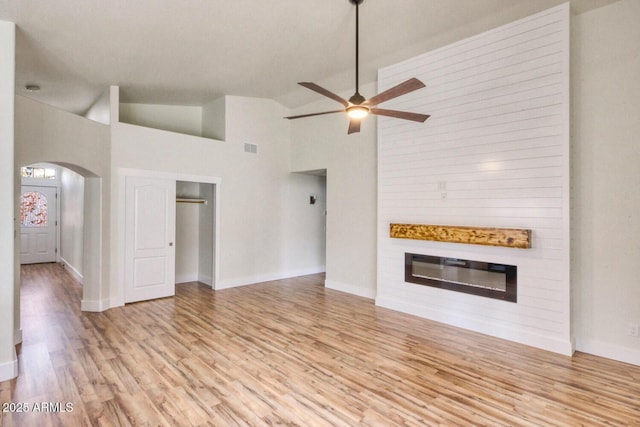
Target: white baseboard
[[72, 270], [207, 280], [95, 306], [350, 289], [499, 331], [609, 351], [17, 336], [252, 280], [9, 370], [186, 278]]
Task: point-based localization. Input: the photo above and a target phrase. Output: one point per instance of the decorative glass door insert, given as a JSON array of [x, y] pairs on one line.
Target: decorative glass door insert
[[33, 209], [38, 221]]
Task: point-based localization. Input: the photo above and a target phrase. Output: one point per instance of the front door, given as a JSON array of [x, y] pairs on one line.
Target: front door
[[38, 224], [150, 224]]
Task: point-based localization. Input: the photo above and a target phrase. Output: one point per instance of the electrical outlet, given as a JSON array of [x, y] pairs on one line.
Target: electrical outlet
[[632, 329]]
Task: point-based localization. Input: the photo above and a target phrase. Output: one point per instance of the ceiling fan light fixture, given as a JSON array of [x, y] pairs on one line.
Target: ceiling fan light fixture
[[358, 107], [357, 112]]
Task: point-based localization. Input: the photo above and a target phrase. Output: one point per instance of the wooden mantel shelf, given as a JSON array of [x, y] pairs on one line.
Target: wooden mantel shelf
[[506, 237]]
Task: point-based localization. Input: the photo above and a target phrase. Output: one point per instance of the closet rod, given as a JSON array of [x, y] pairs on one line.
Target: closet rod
[[194, 201]]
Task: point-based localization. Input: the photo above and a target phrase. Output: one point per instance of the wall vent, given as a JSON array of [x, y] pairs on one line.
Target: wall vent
[[250, 148]]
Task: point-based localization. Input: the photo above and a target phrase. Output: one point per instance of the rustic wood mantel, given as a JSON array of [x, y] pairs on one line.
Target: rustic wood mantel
[[506, 237]]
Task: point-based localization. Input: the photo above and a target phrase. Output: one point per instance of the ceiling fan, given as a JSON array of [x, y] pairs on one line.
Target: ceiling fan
[[358, 107]]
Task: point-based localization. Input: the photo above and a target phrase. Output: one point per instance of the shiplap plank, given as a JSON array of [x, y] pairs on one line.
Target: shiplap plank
[[526, 137], [474, 194], [458, 96], [483, 161], [494, 127], [497, 150]]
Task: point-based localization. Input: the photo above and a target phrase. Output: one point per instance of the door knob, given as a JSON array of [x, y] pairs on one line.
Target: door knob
[[170, 243]]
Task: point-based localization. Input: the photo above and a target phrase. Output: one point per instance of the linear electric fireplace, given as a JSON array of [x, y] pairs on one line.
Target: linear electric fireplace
[[485, 279]]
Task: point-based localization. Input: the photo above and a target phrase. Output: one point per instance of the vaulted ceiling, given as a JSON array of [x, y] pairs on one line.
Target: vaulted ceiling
[[189, 52]]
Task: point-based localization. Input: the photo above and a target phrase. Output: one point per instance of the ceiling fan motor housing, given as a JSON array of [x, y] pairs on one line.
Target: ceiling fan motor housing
[[357, 99]]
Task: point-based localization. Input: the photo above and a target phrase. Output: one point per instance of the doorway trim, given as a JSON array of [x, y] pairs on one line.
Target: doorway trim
[[119, 214]]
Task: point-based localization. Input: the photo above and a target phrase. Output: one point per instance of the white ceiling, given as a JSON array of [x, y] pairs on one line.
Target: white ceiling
[[189, 52]]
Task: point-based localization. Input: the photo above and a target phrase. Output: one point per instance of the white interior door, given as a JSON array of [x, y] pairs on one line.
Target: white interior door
[[150, 222], [38, 224]]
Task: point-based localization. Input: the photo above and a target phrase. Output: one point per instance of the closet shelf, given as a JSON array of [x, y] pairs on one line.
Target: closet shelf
[[191, 200]]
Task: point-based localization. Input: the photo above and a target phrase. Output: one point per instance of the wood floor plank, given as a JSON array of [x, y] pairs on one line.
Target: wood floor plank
[[290, 352]]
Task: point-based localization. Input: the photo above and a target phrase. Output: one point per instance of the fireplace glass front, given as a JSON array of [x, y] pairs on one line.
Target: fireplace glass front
[[473, 277]]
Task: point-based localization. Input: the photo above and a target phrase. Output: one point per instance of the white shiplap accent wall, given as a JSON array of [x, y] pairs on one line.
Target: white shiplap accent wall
[[494, 153]]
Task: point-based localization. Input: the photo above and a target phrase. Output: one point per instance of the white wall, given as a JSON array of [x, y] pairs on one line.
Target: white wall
[[47, 134], [350, 160], [498, 139], [253, 194], [174, 118], [8, 360], [72, 221], [606, 180]]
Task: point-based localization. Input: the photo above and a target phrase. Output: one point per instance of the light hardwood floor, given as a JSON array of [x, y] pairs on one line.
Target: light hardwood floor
[[290, 353]]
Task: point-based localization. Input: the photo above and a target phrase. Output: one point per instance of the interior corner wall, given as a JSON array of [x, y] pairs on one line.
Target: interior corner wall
[[8, 360], [605, 89], [72, 221], [187, 253], [214, 119], [350, 160], [206, 237], [495, 153], [100, 110]]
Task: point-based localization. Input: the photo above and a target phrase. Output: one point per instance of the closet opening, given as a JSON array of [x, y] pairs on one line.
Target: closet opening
[[195, 232]]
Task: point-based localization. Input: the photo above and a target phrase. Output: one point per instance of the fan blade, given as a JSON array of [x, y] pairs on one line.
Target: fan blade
[[416, 117], [322, 91], [396, 91], [314, 114], [354, 126]]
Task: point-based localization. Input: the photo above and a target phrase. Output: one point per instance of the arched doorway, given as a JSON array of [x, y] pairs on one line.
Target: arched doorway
[[87, 242]]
